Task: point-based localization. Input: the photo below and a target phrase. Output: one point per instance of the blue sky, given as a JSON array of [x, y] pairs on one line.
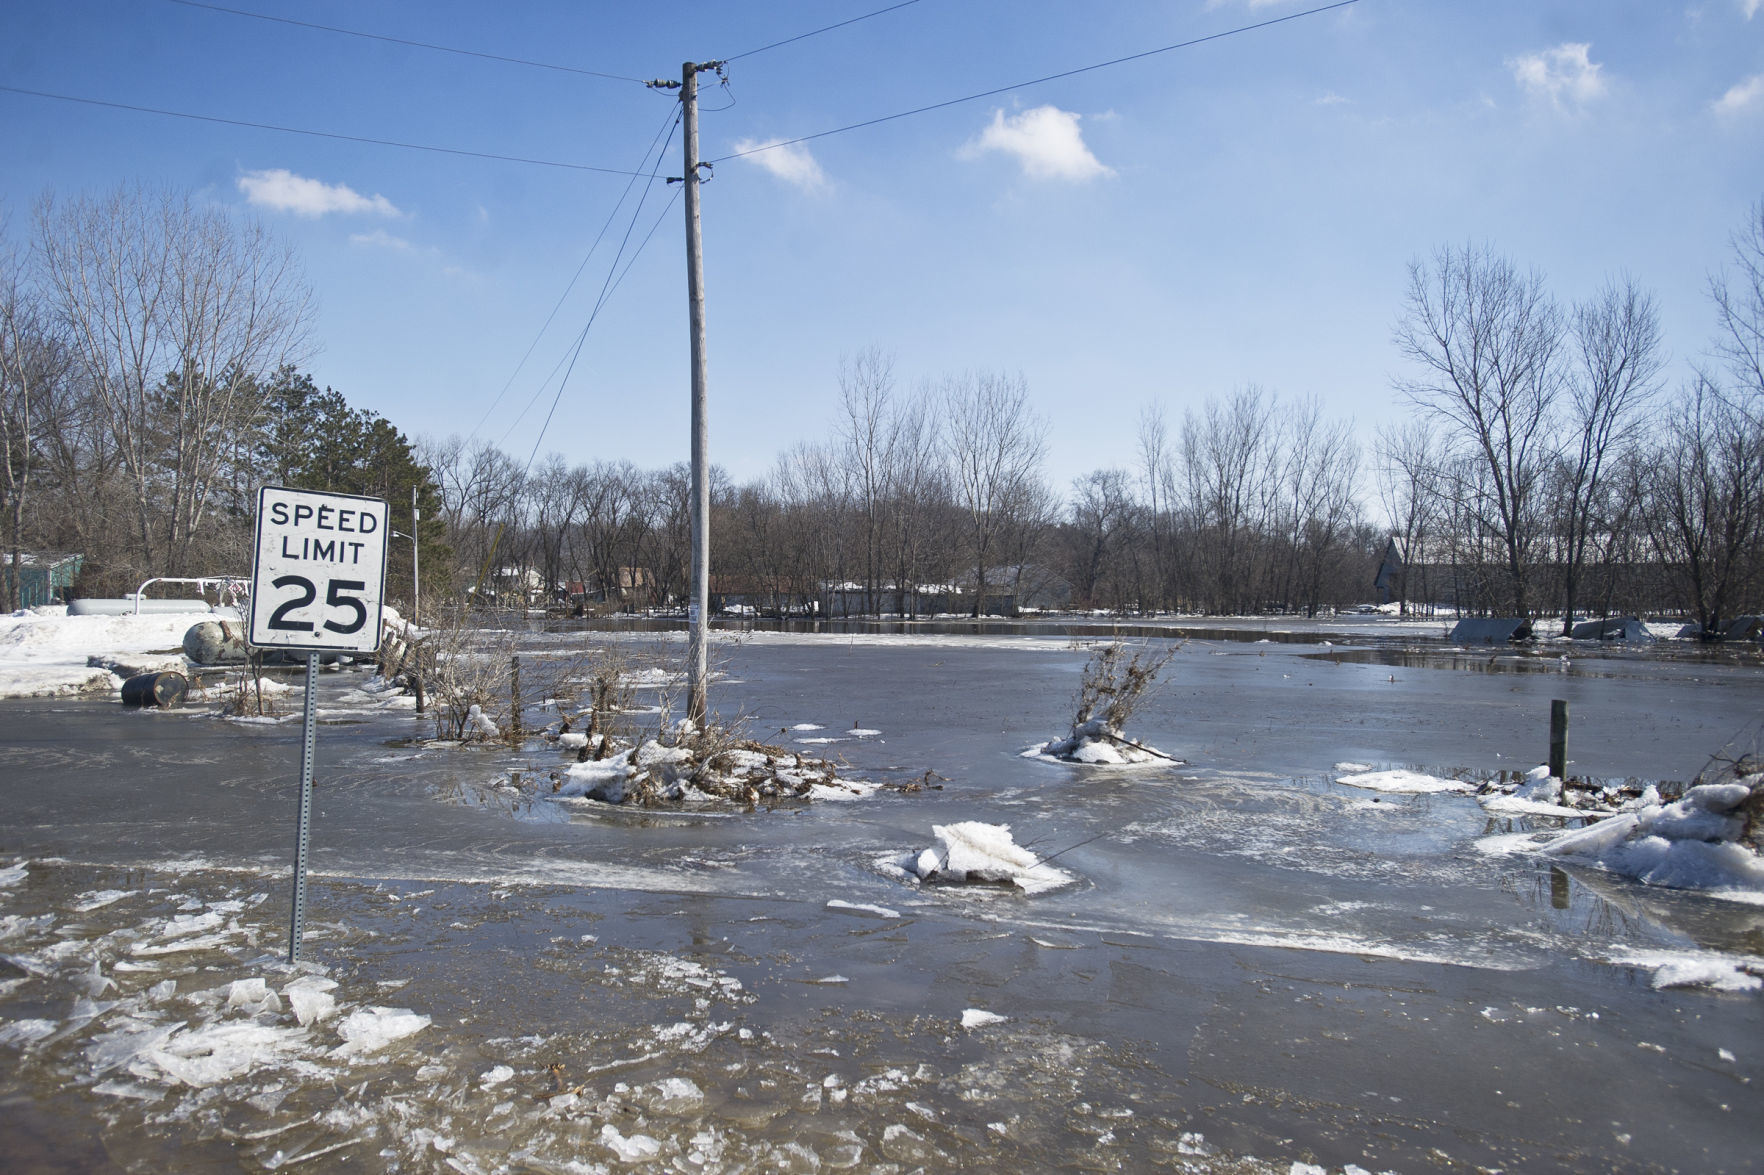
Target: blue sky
[[1159, 231]]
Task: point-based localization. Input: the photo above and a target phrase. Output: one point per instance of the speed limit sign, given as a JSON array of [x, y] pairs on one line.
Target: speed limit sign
[[319, 571]]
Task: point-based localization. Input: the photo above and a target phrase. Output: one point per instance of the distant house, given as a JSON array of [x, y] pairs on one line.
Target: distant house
[[42, 578]]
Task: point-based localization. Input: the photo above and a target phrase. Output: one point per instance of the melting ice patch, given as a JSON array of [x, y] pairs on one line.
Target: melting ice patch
[[1403, 782], [1710, 969]]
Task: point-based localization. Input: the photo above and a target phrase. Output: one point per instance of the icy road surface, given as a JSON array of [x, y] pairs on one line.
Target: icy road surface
[[1260, 969]]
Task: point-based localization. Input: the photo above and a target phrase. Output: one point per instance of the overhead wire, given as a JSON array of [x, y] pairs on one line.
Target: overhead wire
[[868, 122], [811, 33], [614, 278], [668, 126], [307, 24], [583, 338], [291, 130]]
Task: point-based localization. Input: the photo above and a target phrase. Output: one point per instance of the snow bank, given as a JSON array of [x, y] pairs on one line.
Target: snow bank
[[972, 852], [44, 652], [1697, 842]]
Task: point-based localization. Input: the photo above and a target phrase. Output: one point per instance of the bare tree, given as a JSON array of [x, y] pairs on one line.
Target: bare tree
[[177, 313], [866, 428], [1487, 338], [1226, 454], [33, 363], [995, 443], [1739, 310], [1411, 483], [1707, 502], [1620, 353], [1322, 463]]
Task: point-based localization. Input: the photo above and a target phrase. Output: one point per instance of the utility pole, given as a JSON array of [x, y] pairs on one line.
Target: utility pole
[[698, 610], [416, 580]]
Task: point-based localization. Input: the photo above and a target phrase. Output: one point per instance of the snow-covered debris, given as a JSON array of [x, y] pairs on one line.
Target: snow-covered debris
[[1114, 681], [1707, 839], [1097, 743], [972, 852], [702, 766]]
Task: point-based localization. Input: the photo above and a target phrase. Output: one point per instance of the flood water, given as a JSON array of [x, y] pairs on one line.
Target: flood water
[[1258, 965]]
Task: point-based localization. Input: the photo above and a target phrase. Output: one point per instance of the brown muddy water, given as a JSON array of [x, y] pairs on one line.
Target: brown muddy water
[[1258, 966]]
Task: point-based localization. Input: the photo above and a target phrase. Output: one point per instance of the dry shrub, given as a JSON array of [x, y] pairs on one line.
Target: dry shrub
[[1114, 681]]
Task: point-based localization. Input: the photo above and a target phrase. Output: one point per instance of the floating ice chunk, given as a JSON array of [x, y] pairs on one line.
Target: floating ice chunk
[[98, 900], [634, 1149], [372, 1029], [253, 996], [808, 726], [928, 864], [310, 1005], [973, 851], [862, 908], [23, 1032], [495, 1077], [1299, 1168], [1351, 768], [978, 1018], [862, 732], [13, 874], [675, 1095], [1726, 1056], [213, 1053], [573, 740]]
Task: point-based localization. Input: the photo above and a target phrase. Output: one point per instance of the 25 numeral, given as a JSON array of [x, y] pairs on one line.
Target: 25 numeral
[[307, 592]]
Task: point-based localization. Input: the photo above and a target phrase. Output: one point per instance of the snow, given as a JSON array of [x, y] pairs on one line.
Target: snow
[[44, 652], [862, 908], [1403, 782]]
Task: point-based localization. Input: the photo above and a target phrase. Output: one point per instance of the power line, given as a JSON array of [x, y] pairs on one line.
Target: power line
[[583, 338], [1040, 80], [306, 24], [672, 121], [294, 130], [807, 35]]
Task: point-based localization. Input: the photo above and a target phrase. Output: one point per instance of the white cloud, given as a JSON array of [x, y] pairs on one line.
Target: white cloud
[[1747, 95], [1330, 98], [380, 239], [1751, 7], [793, 164], [1564, 75], [1046, 142], [283, 191]]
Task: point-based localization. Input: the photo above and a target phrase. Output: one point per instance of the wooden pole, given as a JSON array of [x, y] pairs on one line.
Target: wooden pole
[[1559, 739], [698, 610]]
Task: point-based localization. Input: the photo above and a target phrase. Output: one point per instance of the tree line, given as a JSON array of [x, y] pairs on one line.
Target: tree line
[[150, 382], [148, 387]]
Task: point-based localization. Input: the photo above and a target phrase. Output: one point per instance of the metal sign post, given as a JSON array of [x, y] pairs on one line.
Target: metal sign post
[[318, 579]]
